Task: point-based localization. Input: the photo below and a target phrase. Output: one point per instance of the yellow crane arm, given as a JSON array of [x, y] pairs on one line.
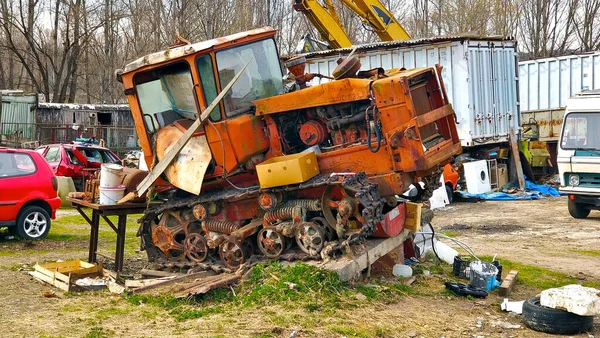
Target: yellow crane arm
[[325, 21], [371, 12], [383, 22]]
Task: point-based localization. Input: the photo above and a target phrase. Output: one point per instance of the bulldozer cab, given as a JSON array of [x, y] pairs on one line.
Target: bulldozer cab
[[179, 83]]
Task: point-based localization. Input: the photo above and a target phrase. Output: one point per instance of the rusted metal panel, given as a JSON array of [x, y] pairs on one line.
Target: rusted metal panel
[[549, 123]]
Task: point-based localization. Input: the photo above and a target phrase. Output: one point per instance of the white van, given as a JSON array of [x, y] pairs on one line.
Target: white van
[[579, 153]]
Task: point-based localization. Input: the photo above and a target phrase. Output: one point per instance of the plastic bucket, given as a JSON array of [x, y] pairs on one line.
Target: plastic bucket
[[110, 196], [483, 275], [111, 175]]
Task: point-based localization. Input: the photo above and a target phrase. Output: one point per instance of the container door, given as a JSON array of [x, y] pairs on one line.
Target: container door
[[493, 90]]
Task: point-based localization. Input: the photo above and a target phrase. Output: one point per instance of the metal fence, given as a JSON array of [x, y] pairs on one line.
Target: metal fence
[[119, 139]]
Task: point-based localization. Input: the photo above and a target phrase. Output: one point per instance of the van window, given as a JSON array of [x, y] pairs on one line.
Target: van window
[[13, 165], [580, 132]]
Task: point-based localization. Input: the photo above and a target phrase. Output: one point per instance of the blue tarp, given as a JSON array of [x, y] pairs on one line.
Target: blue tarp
[[534, 192]]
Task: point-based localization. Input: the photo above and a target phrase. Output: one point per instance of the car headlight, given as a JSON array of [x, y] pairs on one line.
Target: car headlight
[[573, 180]]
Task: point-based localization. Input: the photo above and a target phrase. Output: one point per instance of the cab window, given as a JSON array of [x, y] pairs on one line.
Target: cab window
[[262, 78], [209, 84], [165, 95]]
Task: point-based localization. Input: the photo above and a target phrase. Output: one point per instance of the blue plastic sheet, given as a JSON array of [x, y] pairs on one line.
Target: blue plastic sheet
[[533, 192], [502, 196]]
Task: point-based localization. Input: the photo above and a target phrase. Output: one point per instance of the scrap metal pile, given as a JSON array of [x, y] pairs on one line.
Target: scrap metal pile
[[275, 168]]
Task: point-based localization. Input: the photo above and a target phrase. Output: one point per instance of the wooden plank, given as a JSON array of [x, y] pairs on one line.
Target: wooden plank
[[47, 279], [138, 283], [53, 265], [51, 274], [514, 148], [174, 151], [508, 283], [173, 281], [413, 216], [200, 288], [157, 273]]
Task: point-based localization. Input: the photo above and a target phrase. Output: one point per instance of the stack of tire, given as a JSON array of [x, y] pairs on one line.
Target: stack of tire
[[548, 320]]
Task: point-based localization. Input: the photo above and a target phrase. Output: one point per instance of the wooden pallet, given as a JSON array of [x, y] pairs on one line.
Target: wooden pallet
[[63, 275]]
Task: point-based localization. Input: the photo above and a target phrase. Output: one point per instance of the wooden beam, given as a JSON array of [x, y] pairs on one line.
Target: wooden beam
[[508, 283], [514, 148], [173, 281], [158, 273], [174, 151]]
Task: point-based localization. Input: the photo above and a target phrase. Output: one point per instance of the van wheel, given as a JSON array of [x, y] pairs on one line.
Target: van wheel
[[578, 210], [450, 192], [33, 223]]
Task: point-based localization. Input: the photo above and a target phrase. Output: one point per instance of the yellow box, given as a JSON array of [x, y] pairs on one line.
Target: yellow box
[[288, 169]]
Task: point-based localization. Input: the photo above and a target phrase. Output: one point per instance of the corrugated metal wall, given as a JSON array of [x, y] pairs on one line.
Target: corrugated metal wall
[[546, 84], [17, 115], [480, 79]]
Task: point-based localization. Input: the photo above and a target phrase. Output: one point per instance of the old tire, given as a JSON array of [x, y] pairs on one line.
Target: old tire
[[578, 210], [543, 319], [33, 223]]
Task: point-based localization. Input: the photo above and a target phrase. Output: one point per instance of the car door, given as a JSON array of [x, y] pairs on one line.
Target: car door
[[53, 156], [16, 170]]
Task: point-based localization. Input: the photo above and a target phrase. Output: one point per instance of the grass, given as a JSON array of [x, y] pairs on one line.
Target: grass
[[291, 287], [97, 332], [451, 233], [538, 277], [586, 252]]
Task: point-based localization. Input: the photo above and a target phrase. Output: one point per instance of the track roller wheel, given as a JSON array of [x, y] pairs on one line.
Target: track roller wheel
[[310, 237], [233, 254], [328, 231], [270, 242], [195, 247]]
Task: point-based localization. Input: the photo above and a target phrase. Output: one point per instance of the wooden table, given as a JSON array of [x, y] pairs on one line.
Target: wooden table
[[101, 210]]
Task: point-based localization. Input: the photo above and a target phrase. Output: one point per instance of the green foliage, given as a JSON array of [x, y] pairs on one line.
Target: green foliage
[[274, 282]]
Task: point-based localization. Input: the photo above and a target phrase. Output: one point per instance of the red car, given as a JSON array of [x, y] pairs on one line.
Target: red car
[[70, 159], [28, 197]]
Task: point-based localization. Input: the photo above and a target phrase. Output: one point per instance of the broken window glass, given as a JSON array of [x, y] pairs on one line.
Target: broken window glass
[[166, 95]]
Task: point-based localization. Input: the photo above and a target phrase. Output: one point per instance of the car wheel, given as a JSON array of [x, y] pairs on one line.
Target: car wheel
[[450, 192], [548, 320], [578, 210], [33, 223]]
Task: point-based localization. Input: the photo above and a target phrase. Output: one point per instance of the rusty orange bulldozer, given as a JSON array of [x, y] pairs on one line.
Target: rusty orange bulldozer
[[280, 164]]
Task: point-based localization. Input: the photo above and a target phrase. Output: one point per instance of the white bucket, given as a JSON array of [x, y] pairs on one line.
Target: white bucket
[[111, 175], [110, 196]]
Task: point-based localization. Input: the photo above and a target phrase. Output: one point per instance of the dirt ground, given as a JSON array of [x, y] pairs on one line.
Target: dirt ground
[[532, 232]]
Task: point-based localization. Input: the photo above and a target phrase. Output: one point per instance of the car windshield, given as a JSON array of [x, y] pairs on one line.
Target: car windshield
[[580, 132], [14, 164], [262, 78]]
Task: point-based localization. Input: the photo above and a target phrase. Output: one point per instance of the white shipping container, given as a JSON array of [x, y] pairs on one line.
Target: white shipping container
[[479, 75], [546, 84]]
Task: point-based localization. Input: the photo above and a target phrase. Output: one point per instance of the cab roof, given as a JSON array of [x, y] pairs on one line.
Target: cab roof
[[177, 52]]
